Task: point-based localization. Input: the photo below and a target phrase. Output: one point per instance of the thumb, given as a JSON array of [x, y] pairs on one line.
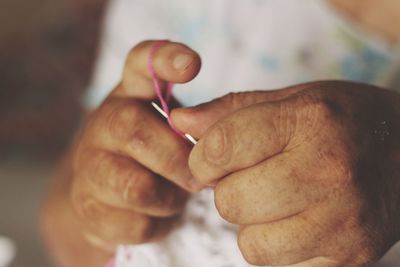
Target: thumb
[[172, 62], [196, 120]]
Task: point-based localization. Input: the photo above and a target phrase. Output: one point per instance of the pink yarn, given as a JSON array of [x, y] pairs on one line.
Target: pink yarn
[[168, 92], [111, 263]]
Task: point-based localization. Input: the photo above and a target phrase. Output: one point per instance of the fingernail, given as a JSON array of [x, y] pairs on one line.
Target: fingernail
[[182, 61]]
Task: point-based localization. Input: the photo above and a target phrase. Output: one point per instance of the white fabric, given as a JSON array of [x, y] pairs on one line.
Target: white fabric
[[203, 239], [7, 251], [252, 44], [244, 45]]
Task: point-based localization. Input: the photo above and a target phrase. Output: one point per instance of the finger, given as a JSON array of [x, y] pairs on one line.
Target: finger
[[173, 62], [308, 235], [273, 190], [241, 140], [291, 241], [123, 183], [196, 120], [259, 132], [107, 227], [315, 262], [131, 128]]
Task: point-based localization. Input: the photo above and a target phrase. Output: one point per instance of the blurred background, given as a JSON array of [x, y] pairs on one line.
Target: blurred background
[[47, 50]]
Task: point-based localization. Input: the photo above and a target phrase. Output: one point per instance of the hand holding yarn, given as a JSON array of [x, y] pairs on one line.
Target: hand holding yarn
[[131, 168], [129, 176], [311, 173]]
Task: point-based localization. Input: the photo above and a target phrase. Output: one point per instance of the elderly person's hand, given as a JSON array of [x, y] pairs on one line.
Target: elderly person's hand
[[311, 173], [127, 177]]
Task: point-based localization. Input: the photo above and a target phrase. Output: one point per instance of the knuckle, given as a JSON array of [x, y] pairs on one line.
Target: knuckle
[[131, 65], [123, 116], [138, 49], [233, 100], [140, 138], [323, 109], [106, 173], [218, 144], [171, 163], [102, 172], [115, 174], [99, 172], [87, 207], [317, 106], [139, 190], [314, 115]]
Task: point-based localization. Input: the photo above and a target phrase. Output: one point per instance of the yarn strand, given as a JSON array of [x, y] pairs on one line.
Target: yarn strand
[[164, 100]]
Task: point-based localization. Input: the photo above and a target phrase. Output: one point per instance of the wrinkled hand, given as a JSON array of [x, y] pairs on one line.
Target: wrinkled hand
[[130, 174], [311, 173]]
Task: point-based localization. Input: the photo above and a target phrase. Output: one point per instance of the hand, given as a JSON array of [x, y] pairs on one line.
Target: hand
[[129, 175], [311, 173]]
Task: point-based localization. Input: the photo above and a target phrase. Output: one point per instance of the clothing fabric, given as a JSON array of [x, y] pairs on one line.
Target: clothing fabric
[[8, 251], [244, 45]]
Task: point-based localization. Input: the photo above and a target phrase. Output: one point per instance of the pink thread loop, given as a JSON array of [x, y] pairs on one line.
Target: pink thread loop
[[168, 92]]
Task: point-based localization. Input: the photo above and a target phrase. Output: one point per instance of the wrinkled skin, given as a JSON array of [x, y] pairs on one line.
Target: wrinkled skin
[[127, 178], [311, 173]]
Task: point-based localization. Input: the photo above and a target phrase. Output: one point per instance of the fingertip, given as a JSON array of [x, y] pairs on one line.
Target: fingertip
[[187, 66], [177, 63]]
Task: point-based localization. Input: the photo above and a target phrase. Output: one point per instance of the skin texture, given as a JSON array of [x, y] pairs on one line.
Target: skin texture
[[126, 178], [311, 173], [315, 186]]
